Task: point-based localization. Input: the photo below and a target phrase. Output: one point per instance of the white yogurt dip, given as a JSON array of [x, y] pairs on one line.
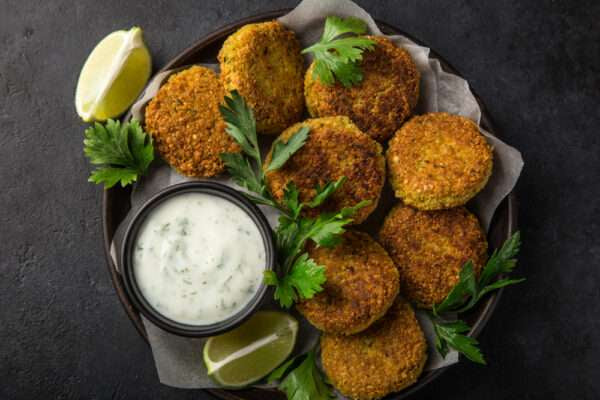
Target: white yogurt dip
[[198, 258]]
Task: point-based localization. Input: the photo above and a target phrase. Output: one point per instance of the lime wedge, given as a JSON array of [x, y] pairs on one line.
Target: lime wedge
[[249, 352], [113, 75]]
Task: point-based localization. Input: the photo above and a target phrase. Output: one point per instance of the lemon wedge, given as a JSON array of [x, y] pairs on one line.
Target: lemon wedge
[[113, 75], [249, 352]]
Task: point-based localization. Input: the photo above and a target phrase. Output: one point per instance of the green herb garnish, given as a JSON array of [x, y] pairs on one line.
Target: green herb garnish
[[305, 381], [338, 57], [465, 295], [300, 277], [245, 169], [283, 151], [123, 152]]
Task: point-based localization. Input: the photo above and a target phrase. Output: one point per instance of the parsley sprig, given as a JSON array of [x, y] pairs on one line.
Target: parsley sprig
[[123, 152], [466, 294], [338, 53], [300, 276], [305, 381]]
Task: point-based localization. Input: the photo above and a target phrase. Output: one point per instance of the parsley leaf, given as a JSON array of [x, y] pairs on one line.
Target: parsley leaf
[[324, 192], [286, 237], [327, 228], [304, 382], [467, 293], [291, 196], [498, 284], [306, 276], [245, 170], [240, 123], [304, 280], [123, 152], [450, 334], [110, 176], [291, 199], [502, 261], [347, 212], [466, 286], [242, 172], [283, 151], [338, 57], [336, 26]]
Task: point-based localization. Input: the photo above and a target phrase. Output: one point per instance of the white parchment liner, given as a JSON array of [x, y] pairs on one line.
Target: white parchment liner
[[179, 360]]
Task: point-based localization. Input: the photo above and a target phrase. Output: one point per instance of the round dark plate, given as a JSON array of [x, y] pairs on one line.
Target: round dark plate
[[116, 204]]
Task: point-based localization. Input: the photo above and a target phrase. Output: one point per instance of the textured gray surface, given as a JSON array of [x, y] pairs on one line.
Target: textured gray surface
[[63, 333]]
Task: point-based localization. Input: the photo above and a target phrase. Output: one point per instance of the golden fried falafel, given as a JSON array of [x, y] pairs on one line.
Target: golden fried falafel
[[186, 125], [387, 357], [263, 63], [335, 147], [383, 100], [438, 161], [430, 248], [362, 283]]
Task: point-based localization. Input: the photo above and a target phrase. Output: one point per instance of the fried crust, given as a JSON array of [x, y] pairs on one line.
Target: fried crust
[[430, 248], [335, 148], [438, 160], [387, 357], [362, 283], [383, 100], [186, 125], [263, 62]]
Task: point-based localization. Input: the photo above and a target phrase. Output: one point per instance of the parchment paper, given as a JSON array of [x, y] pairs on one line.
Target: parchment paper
[[179, 360]]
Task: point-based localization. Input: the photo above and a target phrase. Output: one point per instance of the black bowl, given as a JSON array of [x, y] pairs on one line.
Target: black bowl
[[134, 291]]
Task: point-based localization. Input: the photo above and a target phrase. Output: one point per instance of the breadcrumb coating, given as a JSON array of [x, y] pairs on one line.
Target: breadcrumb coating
[[430, 248], [263, 62], [438, 161], [387, 357], [335, 148], [383, 100], [186, 125], [362, 283]]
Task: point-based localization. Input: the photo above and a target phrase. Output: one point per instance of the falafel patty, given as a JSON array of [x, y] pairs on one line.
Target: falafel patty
[[380, 103], [438, 161], [263, 63], [362, 283], [430, 249], [335, 147], [186, 125], [387, 357]]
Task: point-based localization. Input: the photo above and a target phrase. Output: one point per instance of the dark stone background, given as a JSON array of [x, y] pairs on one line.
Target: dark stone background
[[63, 333]]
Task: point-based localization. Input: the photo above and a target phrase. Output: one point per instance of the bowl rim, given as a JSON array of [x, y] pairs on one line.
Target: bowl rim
[[127, 249]]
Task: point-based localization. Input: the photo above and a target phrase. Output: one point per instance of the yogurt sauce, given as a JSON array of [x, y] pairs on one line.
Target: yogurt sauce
[[198, 258]]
